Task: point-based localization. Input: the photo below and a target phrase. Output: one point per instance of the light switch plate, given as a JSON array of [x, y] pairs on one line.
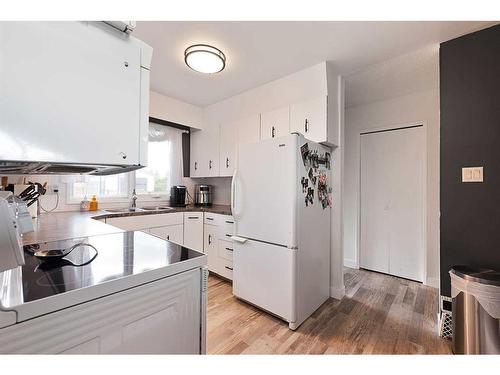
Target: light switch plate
[[472, 174]]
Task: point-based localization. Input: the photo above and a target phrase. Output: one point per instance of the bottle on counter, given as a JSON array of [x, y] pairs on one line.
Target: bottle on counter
[[93, 206], [85, 204]]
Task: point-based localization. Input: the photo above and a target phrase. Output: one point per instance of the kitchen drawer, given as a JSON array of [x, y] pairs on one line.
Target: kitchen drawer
[[172, 233], [225, 250], [212, 219], [225, 268], [146, 221]]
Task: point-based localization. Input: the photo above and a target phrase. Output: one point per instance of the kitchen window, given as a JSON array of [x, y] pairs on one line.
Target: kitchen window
[[164, 162], [111, 187]]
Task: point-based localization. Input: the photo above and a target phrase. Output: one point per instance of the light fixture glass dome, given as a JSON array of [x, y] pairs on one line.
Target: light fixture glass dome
[[204, 58]]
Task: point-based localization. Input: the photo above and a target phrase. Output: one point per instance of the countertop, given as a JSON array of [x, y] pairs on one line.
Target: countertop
[[124, 260], [64, 225]]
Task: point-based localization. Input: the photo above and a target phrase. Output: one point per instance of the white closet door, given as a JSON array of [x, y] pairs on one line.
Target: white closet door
[[391, 239]]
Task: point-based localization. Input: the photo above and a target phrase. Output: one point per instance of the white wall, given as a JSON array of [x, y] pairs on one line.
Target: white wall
[[402, 91], [173, 110]]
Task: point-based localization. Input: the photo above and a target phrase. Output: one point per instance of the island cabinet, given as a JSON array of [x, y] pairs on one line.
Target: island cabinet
[[218, 245], [166, 316]]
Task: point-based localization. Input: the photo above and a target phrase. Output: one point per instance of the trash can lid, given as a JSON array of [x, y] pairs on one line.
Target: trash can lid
[[477, 274]]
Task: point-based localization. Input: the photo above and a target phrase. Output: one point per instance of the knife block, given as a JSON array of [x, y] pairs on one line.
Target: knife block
[[33, 209]]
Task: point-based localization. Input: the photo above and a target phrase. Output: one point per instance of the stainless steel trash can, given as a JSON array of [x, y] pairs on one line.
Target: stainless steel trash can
[[476, 310]]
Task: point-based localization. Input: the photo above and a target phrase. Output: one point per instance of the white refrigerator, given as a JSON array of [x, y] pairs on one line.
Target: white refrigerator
[[281, 203]]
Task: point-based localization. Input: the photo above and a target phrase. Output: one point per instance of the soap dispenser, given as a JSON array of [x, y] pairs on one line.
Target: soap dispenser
[[93, 204]]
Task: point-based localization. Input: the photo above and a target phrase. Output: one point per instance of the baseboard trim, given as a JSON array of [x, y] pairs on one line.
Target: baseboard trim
[[337, 293], [432, 282], [351, 264]]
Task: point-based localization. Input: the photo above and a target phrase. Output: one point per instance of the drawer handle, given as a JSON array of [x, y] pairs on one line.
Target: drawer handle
[[209, 239], [193, 217], [210, 218], [229, 249], [229, 222], [229, 268], [229, 235]]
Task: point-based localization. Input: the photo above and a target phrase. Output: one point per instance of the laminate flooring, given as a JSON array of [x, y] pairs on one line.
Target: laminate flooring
[[380, 314]]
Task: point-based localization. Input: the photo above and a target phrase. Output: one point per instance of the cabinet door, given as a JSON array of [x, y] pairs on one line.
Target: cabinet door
[[228, 142], [90, 77], [172, 233], [210, 246], [197, 166], [248, 129], [211, 150], [275, 123], [309, 118], [193, 230]]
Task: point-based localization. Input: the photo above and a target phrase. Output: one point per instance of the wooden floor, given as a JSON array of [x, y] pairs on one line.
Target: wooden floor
[[380, 314]]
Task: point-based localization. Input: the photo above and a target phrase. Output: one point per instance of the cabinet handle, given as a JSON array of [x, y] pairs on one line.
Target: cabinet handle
[[123, 155], [195, 165], [229, 268], [193, 217], [229, 235], [305, 125], [227, 162], [210, 164], [229, 249], [210, 218], [209, 239], [168, 237], [229, 222], [272, 132]]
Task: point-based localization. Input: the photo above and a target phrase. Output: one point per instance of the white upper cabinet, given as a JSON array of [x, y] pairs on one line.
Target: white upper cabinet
[[309, 118], [204, 152], [198, 167], [228, 148], [248, 129], [211, 144], [64, 82], [275, 123]]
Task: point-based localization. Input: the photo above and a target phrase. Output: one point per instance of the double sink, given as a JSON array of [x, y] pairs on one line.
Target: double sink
[[141, 209]]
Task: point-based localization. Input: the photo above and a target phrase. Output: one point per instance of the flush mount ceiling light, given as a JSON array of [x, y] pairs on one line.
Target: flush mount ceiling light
[[204, 58]]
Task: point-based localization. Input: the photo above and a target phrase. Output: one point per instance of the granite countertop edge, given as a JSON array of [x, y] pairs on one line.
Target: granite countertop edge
[[215, 209]]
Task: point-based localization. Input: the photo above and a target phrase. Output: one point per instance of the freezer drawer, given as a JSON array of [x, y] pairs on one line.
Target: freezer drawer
[[264, 275]]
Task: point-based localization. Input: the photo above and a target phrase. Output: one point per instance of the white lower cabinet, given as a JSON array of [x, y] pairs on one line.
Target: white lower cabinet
[[218, 245], [193, 230], [211, 239], [173, 233]]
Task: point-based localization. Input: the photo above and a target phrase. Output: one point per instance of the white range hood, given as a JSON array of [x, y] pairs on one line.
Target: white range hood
[[74, 98]]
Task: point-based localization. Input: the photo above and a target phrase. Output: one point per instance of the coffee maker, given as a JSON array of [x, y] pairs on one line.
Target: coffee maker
[[178, 196]]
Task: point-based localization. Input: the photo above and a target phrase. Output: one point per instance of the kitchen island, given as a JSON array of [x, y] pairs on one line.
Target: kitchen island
[[140, 295]]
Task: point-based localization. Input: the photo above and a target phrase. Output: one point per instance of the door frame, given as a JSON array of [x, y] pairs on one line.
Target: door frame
[[395, 127]]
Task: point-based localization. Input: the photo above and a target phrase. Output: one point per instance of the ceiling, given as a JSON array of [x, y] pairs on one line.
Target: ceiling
[[259, 52]]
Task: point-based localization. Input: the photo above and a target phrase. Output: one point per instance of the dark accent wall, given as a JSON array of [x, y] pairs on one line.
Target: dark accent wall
[[470, 136]]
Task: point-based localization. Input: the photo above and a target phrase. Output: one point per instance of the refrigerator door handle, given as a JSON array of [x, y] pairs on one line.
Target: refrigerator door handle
[[239, 239]]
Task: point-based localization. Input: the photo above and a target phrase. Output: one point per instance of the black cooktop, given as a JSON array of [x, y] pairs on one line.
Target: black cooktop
[[119, 255]]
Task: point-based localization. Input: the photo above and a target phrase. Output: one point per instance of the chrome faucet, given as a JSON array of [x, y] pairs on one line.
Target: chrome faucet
[[133, 203]]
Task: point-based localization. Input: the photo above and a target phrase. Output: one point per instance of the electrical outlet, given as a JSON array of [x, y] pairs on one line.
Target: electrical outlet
[[472, 174], [53, 189]]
